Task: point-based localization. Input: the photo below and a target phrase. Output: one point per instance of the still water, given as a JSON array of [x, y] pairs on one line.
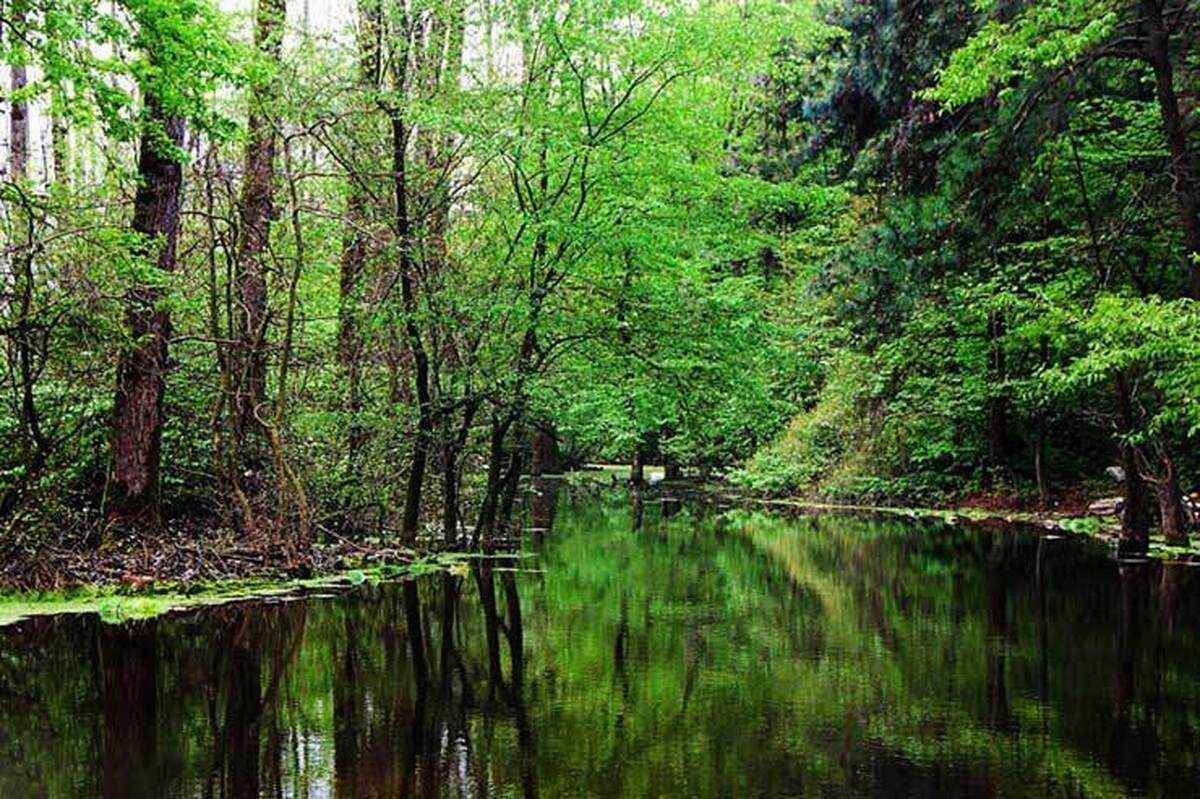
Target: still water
[[708, 654]]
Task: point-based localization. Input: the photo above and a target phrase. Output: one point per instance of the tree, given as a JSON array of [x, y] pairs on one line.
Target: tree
[[172, 39], [256, 210]]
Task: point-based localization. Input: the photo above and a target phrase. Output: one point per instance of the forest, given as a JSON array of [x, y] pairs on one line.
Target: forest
[[286, 277]]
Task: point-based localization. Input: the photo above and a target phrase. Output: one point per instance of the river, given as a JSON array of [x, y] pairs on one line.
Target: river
[[731, 654]]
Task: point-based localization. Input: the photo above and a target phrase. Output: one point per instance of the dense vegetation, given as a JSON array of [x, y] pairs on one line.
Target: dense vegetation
[[310, 268]]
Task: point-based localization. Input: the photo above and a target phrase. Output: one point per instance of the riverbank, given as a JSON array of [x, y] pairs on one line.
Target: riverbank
[[1104, 528], [1076, 513], [150, 578], [185, 554], [117, 602]]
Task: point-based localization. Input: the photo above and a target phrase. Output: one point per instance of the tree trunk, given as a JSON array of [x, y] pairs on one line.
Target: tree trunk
[[449, 493], [349, 335], [412, 333], [1039, 463], [416, 636], [18, 119], [452, 448], [1124, 757], [997, 401], [512, 479], [1185, 177], [1039, 451], [349, 708], [32, 442], [1173, 514], [544, 456], [60, 150], [671, 468], [637, 470], [487, 510], [141, 370], [256, 210], [1135, 512], [35, 447], [355, 243]]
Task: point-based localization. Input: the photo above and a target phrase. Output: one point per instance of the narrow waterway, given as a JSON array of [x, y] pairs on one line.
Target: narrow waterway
[[704, 654]]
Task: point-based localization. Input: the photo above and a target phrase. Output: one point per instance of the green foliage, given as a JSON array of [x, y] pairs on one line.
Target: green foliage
[[1150, 341], [1009, 178], [1045, 36], [854, 249]]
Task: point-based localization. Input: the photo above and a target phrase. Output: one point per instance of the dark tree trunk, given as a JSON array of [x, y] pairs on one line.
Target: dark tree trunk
[[449, 493], [997, 401], [515, 632], [637, 507], [141, 371], [412, 333], [27, 343], [256, 209], [1185, 177], [1173, 514], [1135, 512], [671, 468], [637, 470], [416, 636], [1171, 586], [512, 479], [453, 443], [486, 524], [544, 456], [543, 506], [1039, 451]]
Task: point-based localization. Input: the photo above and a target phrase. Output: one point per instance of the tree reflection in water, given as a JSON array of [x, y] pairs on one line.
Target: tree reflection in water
[[753, 655]]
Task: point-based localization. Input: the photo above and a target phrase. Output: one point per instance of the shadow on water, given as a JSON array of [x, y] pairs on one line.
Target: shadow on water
[[639, 646]]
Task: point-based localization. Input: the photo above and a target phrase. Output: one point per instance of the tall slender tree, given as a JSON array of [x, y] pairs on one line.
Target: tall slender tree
[[356, 238], [256, 210]]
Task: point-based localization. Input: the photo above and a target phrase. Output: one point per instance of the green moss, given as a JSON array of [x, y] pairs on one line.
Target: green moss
[[117, 604]]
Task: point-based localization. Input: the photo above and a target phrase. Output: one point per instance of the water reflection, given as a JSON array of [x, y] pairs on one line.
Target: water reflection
[[127, 665], [742, 657]]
